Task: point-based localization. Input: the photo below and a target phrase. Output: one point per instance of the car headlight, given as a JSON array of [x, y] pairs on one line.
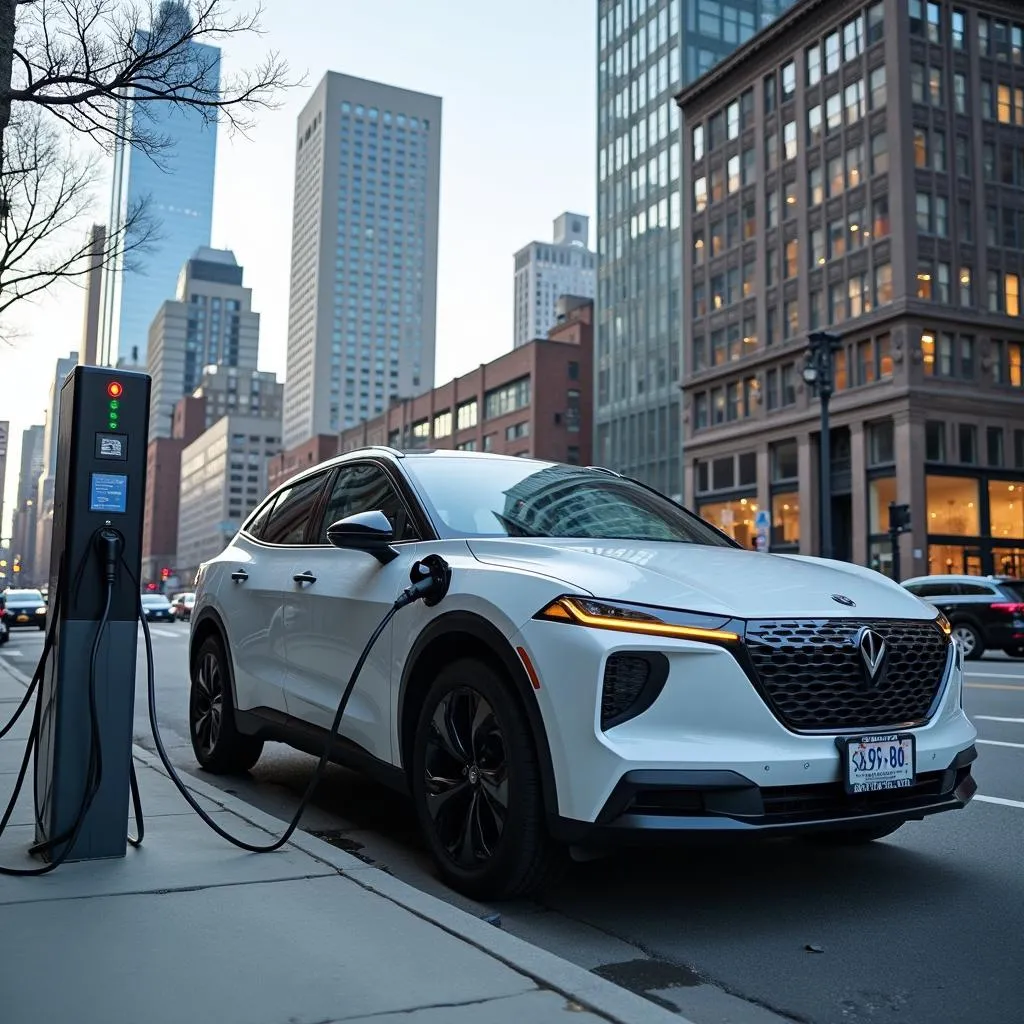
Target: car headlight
[[597, 614], [943, 623], [40, 611]]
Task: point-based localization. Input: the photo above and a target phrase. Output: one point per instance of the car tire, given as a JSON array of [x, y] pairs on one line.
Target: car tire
[[4, 637], [855, 836], [970, 640], [216, 742], [485, 824]]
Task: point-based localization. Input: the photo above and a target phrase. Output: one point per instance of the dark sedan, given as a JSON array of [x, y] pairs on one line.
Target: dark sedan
[[157, 608], [24, 609]]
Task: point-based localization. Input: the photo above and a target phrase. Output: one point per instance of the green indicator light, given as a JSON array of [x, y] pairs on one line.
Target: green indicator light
[[115, 404]]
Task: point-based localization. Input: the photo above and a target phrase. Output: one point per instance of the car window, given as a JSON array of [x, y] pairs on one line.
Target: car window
[[935, 589], [258, 520], [292, 511], [977, 588], [365, 487], [1014, 589], [525, 498]]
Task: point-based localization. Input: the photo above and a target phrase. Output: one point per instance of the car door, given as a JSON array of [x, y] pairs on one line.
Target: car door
[[343, 597], [254, 605]]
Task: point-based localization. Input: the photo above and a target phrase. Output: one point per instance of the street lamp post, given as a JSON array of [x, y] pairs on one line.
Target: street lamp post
[[818, 373]]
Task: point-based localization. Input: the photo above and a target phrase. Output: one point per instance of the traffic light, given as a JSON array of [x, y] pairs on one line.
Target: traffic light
[[899, 518], [165, 574]]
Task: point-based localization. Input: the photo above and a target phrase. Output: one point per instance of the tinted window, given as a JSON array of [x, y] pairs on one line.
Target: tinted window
[[258, 520], [523, 498], [292, 511], [365, 488], [976, 588], [1014, 590], [935, 589]]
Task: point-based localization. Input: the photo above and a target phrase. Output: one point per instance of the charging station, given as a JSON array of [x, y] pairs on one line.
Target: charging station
[[85, 694]]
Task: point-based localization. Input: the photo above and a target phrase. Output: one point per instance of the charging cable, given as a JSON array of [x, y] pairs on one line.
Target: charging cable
[[430, 579]]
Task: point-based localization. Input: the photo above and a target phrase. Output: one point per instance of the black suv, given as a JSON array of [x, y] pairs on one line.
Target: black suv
[[986, 612]]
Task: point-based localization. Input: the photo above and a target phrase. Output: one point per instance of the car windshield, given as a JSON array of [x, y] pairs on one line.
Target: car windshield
[[24, 596], [522, 498], [154, 599]]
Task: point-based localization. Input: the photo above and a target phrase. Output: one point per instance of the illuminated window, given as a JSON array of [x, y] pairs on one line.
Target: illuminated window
[[1006, 508], [928, 353], [880, 493], [920, 147], [735, 518], [953, 505], [1004, 110], [1011, 285], [785, 519]]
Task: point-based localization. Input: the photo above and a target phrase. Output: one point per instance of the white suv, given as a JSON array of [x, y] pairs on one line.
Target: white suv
[[605, 665]]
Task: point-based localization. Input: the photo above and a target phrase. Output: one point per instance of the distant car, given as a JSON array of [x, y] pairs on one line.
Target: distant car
[[985, 612], [603, 664], [157, 608], [183, 606], [24, 609]]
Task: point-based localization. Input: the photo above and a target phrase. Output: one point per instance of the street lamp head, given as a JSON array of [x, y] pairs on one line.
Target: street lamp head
[[810, 374]]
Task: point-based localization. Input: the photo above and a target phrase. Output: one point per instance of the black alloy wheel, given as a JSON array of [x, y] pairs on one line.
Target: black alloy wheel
[[476, 786], [969, 639], [216, 742]]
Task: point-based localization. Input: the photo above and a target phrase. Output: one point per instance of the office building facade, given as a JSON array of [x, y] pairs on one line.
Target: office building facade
[[647, 50], [209, 322], [5, 428], [93, 295], [859, 168], [176, 186], [362, 310], [23, 530], [544, 271], [223, 477]]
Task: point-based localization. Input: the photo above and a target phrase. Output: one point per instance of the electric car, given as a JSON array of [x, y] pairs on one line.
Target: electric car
[[603, 668], [24, 609]]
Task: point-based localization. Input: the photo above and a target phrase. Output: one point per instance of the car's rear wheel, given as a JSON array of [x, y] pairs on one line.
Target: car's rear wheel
[[970, 640], [476, 786], [216, 742], [854, 836]]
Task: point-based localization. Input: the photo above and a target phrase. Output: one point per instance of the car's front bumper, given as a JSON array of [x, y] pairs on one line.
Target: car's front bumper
[[709, 755], [25, 620]]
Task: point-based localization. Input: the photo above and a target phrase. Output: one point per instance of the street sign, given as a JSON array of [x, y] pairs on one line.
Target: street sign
[[763, 519]]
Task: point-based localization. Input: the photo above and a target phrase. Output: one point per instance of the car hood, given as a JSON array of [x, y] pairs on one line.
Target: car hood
[[723, 581]]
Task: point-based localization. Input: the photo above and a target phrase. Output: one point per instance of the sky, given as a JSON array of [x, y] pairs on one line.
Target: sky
[[518, 84]]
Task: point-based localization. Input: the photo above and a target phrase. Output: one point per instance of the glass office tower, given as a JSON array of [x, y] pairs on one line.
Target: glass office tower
[[647, 51], [178, 188]]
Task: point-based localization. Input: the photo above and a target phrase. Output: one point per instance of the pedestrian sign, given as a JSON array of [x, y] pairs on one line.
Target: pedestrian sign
[[762, 519]]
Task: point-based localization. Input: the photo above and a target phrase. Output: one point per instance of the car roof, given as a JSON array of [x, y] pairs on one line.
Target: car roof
[[396, 456], [961, 578]]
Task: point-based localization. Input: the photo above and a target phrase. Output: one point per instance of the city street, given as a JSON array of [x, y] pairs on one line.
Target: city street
[[926, 927]]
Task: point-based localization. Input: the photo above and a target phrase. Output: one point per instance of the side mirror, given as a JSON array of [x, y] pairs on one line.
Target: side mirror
[[366, 531]]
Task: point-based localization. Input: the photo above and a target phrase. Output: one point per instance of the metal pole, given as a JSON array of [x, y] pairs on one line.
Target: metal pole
[[894, 538], [826, 476]]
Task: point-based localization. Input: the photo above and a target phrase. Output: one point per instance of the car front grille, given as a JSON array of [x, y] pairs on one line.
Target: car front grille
[[811, 672]]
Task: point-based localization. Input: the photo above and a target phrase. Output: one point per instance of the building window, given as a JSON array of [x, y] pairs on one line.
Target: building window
[[994, 455], [443, 424], [698, 143], [788, 78], [935, 86], [509, 398], [879, 153], [935, 441], [876, 23], [966, 288], [881, 445], [928, 352], [924, 212], [877, 86], [813, 61], [832, 53], [789, 140], [963, 156], [968, 443], [959, 29], [883, 283]]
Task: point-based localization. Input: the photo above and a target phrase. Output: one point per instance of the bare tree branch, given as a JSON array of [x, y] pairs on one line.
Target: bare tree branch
[[47, 192], [83, 60]]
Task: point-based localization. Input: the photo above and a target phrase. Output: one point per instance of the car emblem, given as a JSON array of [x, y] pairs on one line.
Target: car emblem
[[873, 650], [844, 600]]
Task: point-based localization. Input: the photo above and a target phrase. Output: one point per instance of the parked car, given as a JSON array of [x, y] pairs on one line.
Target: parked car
[[24, 609], [605, 665], [157, 608], [986, 612], [183, 604]]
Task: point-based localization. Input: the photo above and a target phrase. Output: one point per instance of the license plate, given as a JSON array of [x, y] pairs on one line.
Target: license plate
[[874, 763], [23, 618]]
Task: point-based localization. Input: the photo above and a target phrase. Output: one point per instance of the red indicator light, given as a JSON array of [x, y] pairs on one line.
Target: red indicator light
[[114, 389]]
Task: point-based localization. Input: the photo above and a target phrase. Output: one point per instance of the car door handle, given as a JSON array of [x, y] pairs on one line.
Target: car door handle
[[239, 575], [304, 577]]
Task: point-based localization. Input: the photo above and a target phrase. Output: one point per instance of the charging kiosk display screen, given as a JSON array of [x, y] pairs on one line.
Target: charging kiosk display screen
[[108, 492]]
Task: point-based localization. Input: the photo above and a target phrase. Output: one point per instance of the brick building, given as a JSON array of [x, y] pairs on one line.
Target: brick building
[[533, 401], [859, 167]]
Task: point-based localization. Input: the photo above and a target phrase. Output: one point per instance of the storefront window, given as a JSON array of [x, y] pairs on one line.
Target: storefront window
[[880, 556], [953, 506], [735, 518], [786, 520], [953, 558], [1006, 509], [1008, 562], [881, 492]]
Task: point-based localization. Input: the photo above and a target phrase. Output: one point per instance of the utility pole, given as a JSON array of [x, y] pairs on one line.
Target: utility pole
[[818, 373]]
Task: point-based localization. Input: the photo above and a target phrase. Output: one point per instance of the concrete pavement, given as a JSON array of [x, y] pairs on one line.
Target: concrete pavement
[[189, 928]]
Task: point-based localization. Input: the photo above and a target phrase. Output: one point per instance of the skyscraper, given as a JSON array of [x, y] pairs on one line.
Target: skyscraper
[[362, 311], [547, 270], [23, 533], [93, 295], [177, 187], [647, 51], [209, 322]]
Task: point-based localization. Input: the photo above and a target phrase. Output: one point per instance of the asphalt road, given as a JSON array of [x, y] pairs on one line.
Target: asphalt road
[[926, 927]]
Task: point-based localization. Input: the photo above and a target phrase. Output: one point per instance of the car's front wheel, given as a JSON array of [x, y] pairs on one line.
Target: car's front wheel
[[216, 742], [969, 639], [476, 786], [854, 836]]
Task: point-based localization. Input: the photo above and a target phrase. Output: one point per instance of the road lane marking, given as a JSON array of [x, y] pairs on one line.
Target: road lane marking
[[993, 686], [156, 631], [998, 718], [992, 675], [1001, 743], [1002, 801], [10, 654]]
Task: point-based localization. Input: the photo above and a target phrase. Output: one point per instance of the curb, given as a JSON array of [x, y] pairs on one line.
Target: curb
[[547, 970]]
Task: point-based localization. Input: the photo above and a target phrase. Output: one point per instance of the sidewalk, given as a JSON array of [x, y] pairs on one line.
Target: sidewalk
[[190, 929]]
